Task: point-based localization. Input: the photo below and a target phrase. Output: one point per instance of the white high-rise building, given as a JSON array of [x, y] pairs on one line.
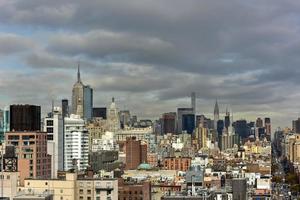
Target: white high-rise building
[[76, 142], [53, 125]]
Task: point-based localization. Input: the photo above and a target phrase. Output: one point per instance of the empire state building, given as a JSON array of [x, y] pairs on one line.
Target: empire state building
[[82, 98]]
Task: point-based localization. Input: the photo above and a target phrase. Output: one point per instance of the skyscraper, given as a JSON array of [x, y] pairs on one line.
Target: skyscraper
[[4, 123], [296, 125], [25, 118], [76, 143], [82, 98], [227, 119], [268, 126], [87, 102], [78, 96], [169, 122], [193, 102], [113, 117], [216, 114], [241, 128], [65, 107], [180, 113], [54, 126], [220, 127], [188, 123], [259, 123]]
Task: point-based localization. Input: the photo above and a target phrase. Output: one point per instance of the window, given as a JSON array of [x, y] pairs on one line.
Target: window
[[89, 191], [49, 130], [49, 137], [49, 122], [81, 191], [13, 137]]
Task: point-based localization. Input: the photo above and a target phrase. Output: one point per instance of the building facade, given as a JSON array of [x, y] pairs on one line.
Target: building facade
[[25, 118], [31, 148], [76, 143], [54, 127]]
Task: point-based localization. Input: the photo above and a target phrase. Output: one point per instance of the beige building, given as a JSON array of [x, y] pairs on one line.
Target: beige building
[[97, 189], [10, 181], [96, 129], [74, 188], [139, 133], [294, 148]]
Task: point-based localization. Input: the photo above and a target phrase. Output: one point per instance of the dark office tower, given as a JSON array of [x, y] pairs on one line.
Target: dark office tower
[[220, 127], [193, 102], [268, 126], [188, 123], [169, 122], [65, 107], [216, 115], [227, 119], [261, 132], [296, 125], [241, 128], [100, 112], [259, 123], [25, 118], [239, 189], [180, 113]]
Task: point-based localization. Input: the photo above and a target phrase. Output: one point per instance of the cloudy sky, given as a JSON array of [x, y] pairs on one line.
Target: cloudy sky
[[151, 54]]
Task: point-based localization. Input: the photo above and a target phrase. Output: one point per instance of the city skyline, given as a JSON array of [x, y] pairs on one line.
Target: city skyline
[[152, 61]]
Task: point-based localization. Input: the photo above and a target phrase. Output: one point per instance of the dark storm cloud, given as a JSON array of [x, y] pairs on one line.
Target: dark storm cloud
[[245, 53]]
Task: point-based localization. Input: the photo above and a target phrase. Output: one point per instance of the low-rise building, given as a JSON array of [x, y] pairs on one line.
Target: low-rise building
[[177, 163]]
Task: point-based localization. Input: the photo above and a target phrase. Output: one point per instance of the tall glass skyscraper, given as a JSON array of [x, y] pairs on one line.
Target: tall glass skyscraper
[[87, 102]]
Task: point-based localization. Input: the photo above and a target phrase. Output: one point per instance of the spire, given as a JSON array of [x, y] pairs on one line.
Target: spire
[[216, 110], [78, 73]]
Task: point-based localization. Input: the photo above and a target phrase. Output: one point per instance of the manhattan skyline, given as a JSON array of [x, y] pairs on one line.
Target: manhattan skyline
[[151, 55]]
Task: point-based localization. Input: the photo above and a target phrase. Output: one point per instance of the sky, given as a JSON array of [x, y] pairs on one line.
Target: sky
[[151, 54]]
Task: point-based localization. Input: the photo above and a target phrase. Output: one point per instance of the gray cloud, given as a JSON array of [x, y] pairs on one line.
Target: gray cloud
[[11, 44], [151, 55]]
